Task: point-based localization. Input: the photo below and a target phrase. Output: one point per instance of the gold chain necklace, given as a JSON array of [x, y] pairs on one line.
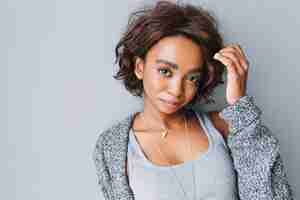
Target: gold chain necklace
[[164, 133]]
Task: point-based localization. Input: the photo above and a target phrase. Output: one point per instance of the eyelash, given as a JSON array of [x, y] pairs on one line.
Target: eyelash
[[166, 69], [163, 69]]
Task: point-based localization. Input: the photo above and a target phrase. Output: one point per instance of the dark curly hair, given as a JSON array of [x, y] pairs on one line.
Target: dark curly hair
[[149, 24]]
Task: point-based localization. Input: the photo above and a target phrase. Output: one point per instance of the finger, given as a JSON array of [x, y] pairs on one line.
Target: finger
[[236, 47], [227, 62], [233, 58], [242, 60], [239, 48], [236, 56], [245, 61]]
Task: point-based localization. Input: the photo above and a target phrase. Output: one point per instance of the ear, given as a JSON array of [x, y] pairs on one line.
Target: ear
[[139, 68]]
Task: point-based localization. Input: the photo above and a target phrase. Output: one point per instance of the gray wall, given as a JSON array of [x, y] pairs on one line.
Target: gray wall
[[56, 66]]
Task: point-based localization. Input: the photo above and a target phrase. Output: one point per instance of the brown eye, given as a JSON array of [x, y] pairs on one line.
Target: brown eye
[[194, 78], [164, 71]]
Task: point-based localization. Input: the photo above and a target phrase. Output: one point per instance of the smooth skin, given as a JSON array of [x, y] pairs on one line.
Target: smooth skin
[[163, 81]]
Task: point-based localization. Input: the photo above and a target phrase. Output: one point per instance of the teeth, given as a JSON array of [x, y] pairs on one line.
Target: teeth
[[171, 103]]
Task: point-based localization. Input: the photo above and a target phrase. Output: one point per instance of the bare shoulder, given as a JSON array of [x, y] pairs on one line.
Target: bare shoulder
[[220, 124]]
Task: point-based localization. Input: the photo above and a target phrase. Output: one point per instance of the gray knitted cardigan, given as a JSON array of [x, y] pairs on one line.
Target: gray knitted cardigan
[[255, 152]]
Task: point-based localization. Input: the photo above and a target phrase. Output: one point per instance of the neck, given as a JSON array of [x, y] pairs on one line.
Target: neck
[[160, 120]]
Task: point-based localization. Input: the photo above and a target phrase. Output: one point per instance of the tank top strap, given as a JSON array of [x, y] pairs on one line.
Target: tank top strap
[[211, 129]]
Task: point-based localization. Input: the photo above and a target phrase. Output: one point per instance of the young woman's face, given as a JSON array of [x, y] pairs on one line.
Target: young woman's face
[[171, 73]]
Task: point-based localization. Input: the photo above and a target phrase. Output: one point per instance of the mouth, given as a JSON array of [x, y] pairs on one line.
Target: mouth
[[171, 103]]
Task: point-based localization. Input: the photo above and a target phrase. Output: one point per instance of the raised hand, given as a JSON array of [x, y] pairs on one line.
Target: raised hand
[[233, 57]]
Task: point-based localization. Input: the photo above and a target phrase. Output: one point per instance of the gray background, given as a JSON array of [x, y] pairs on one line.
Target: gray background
[[56, 76]]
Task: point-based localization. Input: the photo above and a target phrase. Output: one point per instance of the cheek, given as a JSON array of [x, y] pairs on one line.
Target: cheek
[[190, 91], [155, 81]]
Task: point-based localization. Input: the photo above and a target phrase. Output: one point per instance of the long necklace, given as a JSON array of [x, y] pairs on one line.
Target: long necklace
[[171, 167]]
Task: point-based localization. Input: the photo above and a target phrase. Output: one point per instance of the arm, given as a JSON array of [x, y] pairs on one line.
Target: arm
[[255, 152], [101, 168]]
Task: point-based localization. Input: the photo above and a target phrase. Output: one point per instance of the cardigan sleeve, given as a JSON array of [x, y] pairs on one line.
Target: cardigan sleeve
[[101, 167], [256, 153]]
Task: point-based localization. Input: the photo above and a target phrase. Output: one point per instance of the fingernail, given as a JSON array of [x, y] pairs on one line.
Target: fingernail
[[216, 55]]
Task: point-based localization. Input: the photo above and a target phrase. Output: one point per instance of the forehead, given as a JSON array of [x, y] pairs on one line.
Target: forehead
[[177, 49]]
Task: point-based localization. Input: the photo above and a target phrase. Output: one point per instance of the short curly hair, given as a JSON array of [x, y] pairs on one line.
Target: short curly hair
[[147, 25]]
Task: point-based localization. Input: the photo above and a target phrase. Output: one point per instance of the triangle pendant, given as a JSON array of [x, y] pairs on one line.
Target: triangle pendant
[[164, 134]]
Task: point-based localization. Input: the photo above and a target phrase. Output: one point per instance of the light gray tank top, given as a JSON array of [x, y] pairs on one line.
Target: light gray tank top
[[214, 173]]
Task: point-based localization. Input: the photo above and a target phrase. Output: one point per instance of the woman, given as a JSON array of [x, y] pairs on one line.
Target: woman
[[173, 56]]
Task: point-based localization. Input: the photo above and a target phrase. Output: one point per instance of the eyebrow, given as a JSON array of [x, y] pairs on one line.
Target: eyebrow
[[175, 66]]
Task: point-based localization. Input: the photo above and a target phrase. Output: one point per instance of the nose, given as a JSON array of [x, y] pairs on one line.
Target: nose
[[175, 88]]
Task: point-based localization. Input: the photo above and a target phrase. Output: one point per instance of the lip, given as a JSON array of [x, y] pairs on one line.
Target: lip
[[171, 103]]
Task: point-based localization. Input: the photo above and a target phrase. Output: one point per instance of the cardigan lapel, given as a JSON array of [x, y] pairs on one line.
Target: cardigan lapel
[[116, 155]]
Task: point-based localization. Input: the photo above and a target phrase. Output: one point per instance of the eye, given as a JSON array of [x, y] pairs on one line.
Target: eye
[[194, 78], [164, 71]]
